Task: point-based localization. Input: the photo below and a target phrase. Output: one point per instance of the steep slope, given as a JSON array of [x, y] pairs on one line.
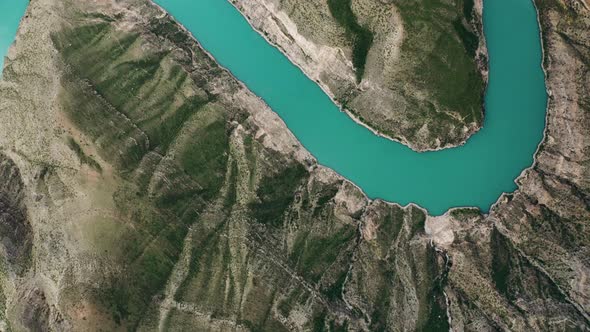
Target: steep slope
[[147, 189], [413, 71]]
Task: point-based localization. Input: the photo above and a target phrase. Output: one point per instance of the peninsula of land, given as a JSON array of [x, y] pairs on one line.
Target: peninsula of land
[[409, 71]]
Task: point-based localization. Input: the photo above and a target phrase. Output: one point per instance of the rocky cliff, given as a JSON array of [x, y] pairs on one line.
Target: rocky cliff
[[144, 188]]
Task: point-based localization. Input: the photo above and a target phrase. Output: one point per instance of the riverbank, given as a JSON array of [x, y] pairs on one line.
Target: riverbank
[[508, 147], [11, 13], [324, 63]]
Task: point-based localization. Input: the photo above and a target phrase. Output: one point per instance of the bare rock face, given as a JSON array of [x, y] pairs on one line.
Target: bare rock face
[[144, 188], [410, 71], [14, 224]]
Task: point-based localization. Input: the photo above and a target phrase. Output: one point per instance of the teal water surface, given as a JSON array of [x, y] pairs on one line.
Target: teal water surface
[[475, 174], [471, 175], [11, 11]]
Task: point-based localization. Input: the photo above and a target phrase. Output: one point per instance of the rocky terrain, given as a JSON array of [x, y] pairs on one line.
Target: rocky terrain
[[414, 71], [144, 188]]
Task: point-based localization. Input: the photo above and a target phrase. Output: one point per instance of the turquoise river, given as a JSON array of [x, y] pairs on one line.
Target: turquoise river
[[11, 12], [474, 174]]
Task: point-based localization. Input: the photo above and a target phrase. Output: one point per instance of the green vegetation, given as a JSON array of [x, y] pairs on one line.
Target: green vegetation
[[441, 54], [170, 30], [334, 292], [250, 147], [390, 227], [207, 268], [469, 39], [500, 263], [468, 10], [319, 322], [205, 159], [437, 318], [84, 159], [360, 37], [292, 297], [313, 254], [149, 92], [276, 192], [161, 131]]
